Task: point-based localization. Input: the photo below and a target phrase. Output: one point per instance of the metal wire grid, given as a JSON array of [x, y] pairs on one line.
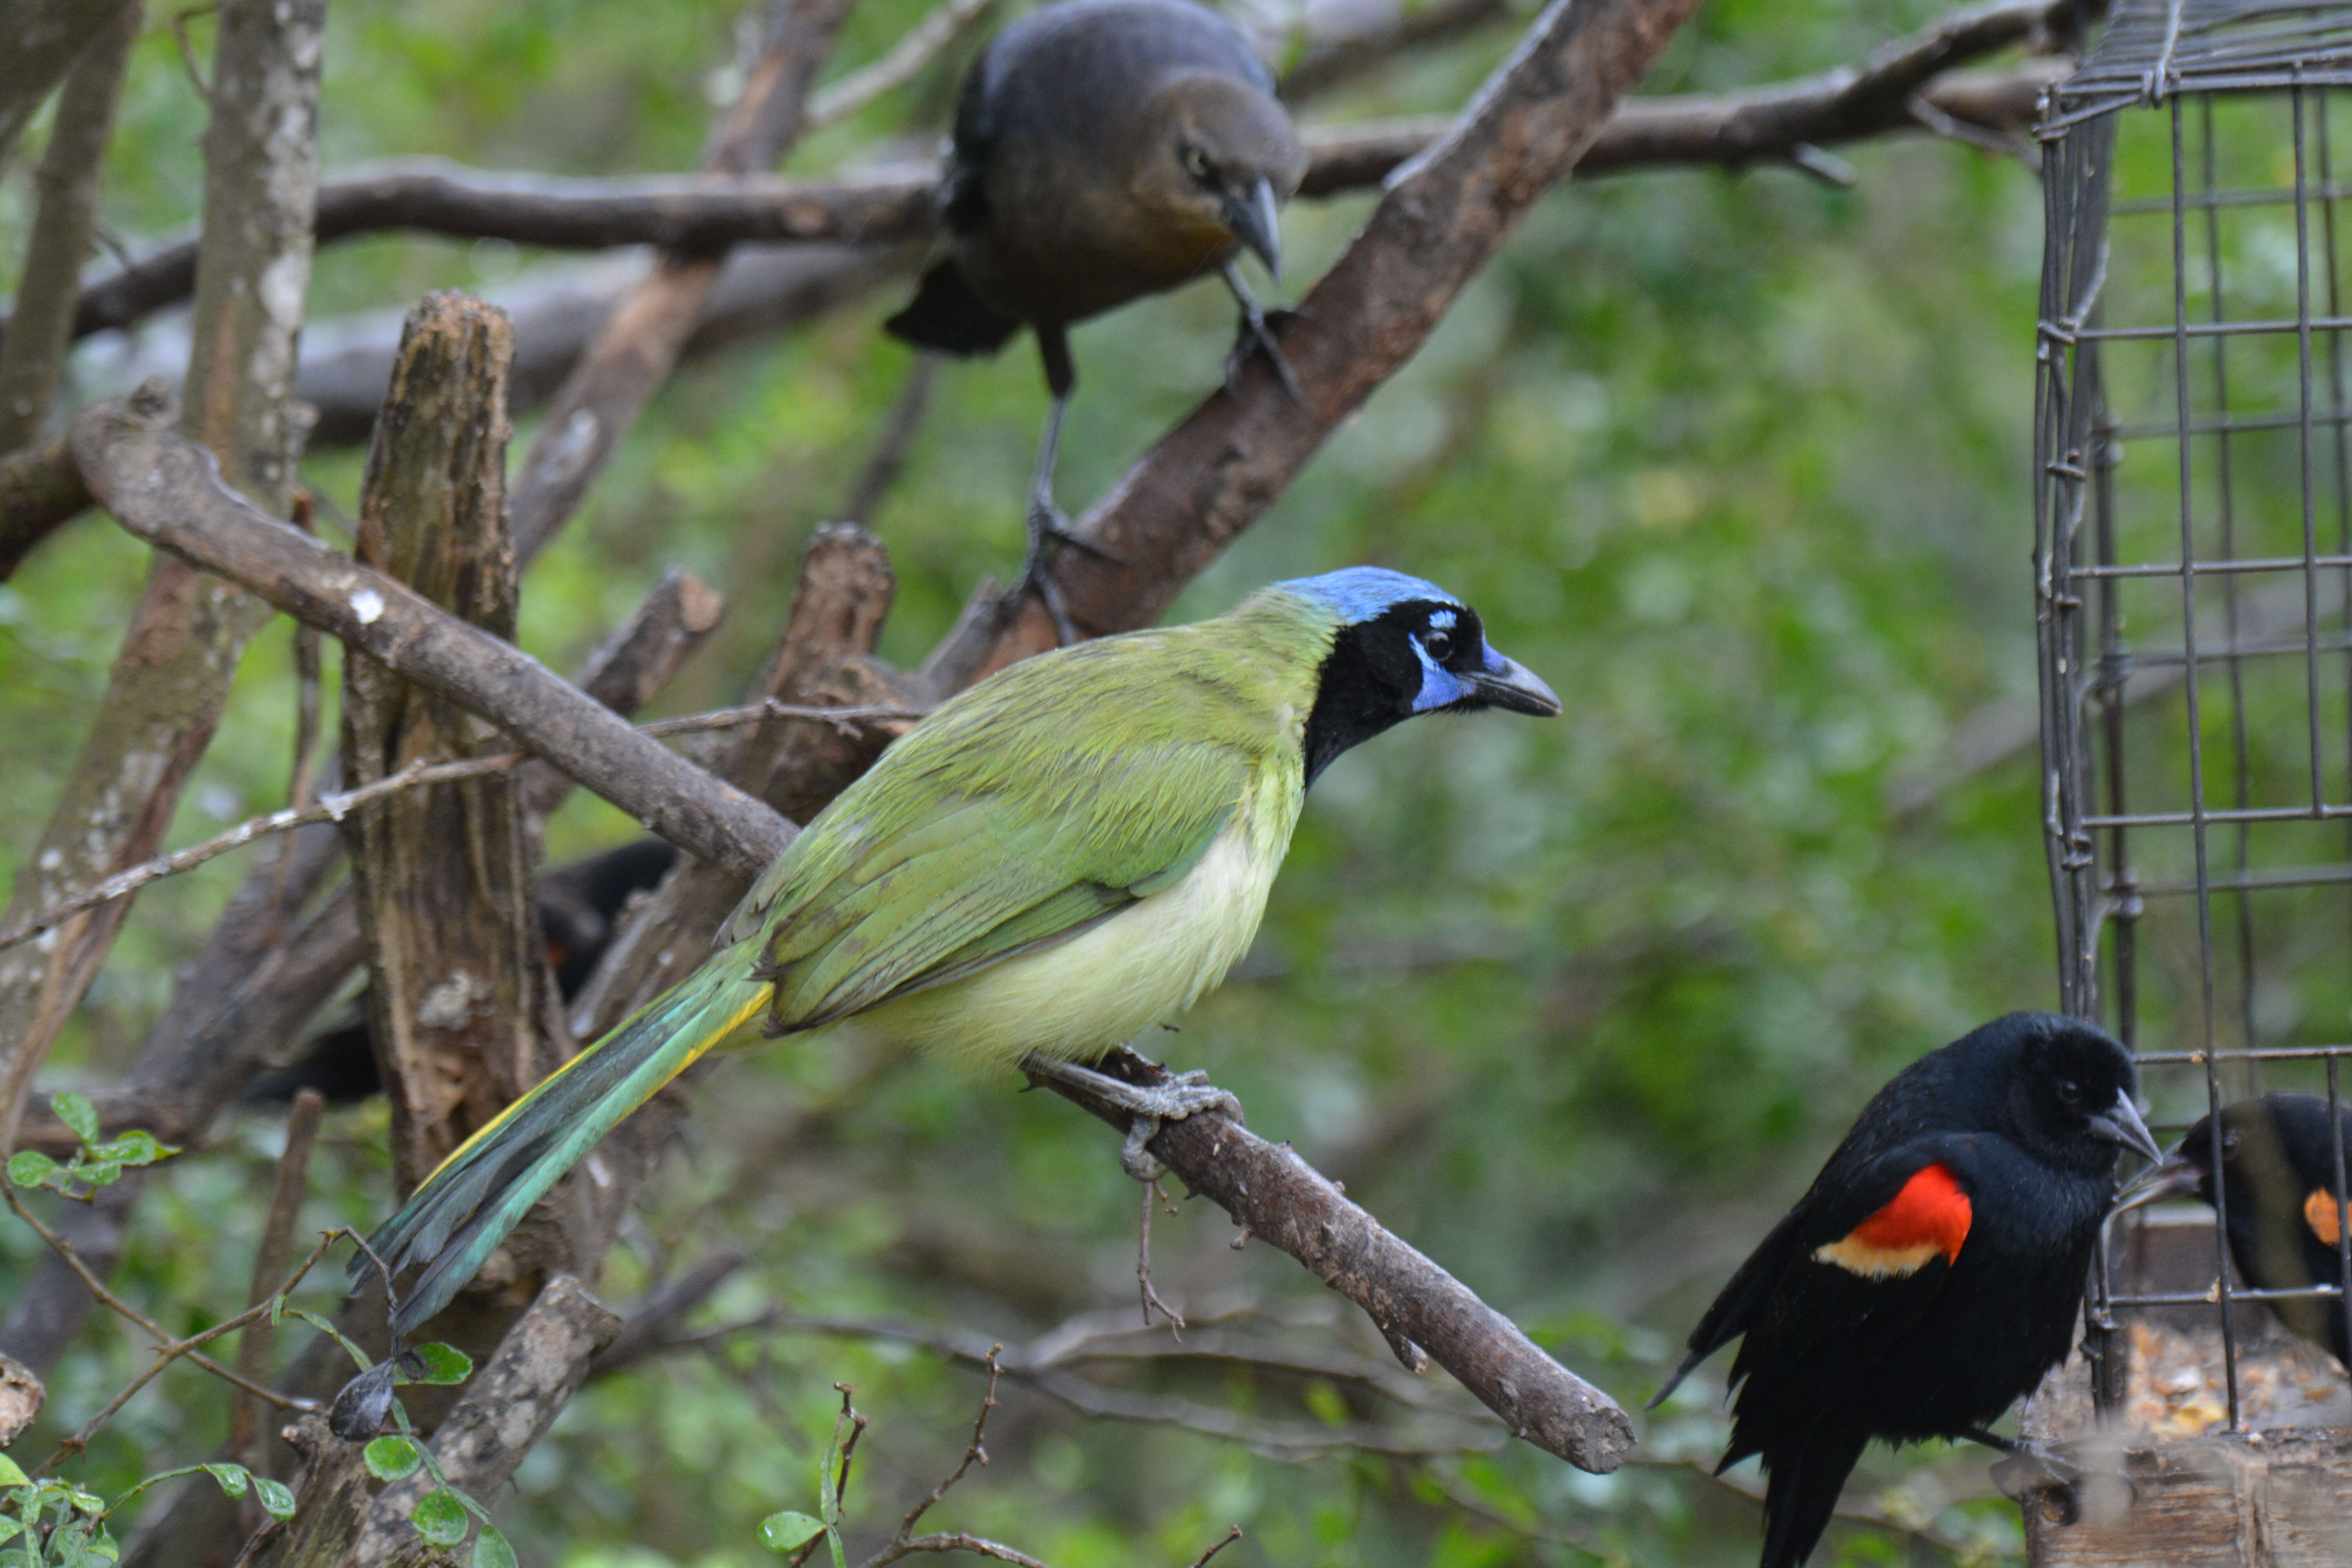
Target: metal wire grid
[[2155, 49], [2195, 655]]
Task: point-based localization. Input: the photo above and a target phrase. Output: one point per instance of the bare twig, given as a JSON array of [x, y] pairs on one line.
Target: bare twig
[[1233, 1533], [269, 1260], [905, 60], [419, 774], [42, 322], [168, 1348], [888, 458], [1326, 63]]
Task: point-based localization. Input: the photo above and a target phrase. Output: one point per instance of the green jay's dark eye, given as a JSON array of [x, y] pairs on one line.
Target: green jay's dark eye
[[1439, 645]]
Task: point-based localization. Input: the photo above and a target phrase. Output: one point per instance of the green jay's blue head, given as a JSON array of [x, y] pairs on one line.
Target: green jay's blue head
[[1403, 647]]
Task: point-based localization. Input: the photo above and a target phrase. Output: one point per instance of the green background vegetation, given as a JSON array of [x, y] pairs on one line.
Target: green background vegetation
[[1738, 462]]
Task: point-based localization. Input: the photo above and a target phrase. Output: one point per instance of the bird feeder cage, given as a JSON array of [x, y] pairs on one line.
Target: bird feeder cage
[[2193, 557]]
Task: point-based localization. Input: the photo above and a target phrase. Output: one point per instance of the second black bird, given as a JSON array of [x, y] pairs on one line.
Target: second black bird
[[2279, 1174], [1103, 150], [1932, 1275]]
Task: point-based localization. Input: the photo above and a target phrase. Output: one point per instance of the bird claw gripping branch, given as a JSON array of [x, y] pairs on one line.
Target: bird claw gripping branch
[[1186, 1094]]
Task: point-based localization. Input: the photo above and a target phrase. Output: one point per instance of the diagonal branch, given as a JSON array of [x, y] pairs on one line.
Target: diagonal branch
[[1277, 1196], [169, 492]]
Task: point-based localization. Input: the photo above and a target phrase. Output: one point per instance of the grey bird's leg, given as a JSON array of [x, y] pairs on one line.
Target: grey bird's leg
[[1047, 524], [1257, 332], [1187, 1094]]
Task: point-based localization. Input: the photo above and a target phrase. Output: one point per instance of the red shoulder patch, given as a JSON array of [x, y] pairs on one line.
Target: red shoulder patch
[[1928, 1218]]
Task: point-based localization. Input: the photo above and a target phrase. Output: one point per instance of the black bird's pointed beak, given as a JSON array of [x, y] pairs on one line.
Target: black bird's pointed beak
[[1506, 683], [1256, 220], [2120, 1123], [2170, 1177]]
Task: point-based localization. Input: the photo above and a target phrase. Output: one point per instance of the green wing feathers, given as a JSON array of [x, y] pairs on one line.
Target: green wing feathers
[[465, 1209], [1033, 808]]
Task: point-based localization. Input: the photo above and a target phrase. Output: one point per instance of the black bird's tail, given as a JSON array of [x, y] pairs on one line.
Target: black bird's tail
[[946, 315], [1800, 1494]]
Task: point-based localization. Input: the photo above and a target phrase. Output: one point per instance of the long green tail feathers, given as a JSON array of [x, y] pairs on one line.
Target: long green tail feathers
[[457, 1217]]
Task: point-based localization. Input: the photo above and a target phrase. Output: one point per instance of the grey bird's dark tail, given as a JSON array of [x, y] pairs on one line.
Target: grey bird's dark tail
[[946, 315]]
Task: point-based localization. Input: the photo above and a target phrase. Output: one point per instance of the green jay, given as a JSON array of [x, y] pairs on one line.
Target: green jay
[[1049, 864]]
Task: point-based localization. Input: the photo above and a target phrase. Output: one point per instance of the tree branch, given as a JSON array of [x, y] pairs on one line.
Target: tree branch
[[169, 493], [1277, 1196], [632, 356], [40, 492], [42, 322], [44, 36], [895, 207], [170, 682]]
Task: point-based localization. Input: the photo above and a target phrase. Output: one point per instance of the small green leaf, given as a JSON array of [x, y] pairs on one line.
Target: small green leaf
[[277, 1499], [389, 1458], [77, 1112], [100, 1173], [442, 1364], [491, 1550], [31, 1168], [440, 1518], [131, 1149], [11, 1474], [234, 1479], [9, 1528], [788, 1532]]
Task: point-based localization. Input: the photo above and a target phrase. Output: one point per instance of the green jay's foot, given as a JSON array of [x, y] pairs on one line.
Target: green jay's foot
[[1187, 1094]]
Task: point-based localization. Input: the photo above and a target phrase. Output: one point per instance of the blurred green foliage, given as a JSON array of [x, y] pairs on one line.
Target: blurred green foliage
[[1739, 462]]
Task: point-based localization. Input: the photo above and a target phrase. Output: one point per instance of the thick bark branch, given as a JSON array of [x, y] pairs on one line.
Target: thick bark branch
[[443, 880], [40, 492], [632, 356], [1445, 215], [42, 322], [1279, 1198], [167, 492], [171, 679]]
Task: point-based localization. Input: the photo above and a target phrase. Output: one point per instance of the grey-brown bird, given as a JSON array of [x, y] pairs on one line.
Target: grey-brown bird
[[1103, 150]]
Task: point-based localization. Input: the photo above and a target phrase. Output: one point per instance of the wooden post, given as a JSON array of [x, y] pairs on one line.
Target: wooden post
[[443, 886]]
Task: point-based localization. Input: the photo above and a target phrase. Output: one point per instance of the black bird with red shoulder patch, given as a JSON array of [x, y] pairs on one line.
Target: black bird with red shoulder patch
[[1933, 1272], [2282, 1175]]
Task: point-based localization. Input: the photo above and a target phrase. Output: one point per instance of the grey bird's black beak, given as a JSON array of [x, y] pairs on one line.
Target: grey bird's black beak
[[1256, 220], [2120, 1123], [1516, 688], [2170, 1177]]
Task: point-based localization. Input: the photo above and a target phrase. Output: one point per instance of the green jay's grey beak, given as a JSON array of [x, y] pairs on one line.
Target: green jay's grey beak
[[1506, 683], [2170, 1177], [2120, 1123], [1256, 220]]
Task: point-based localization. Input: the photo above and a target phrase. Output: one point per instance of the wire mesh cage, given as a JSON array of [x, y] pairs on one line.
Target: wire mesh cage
[[2193, 556]]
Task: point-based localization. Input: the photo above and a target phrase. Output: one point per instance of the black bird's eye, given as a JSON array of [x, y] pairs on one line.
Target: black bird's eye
[[2230, 1144], [2072, 1092], [1439, 645], [1196, 161]]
